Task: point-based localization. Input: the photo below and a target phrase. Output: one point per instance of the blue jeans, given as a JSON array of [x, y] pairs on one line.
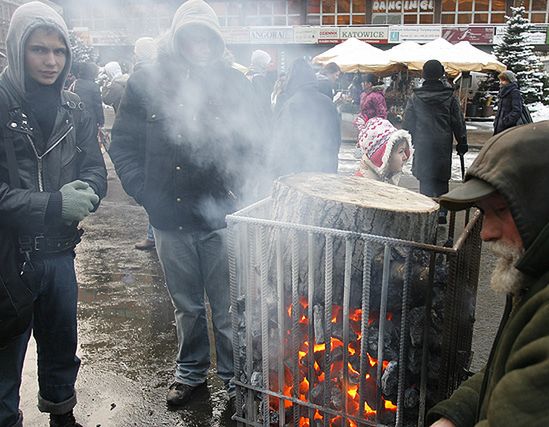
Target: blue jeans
[[55, 331], [150, 234], [194, 263]]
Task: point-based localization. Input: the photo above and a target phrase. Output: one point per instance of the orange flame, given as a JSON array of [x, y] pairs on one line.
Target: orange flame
[[356, 315], [389, 405]]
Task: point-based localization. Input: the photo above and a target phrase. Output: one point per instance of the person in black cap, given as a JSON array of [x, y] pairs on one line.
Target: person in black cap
[[433, 117], [508, 181]]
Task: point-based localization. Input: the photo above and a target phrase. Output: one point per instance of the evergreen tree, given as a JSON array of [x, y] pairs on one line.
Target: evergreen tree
[[81, 52], [519, 57]]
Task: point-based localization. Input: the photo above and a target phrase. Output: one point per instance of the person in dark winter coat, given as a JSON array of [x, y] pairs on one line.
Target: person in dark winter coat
[[262, 81], [113, 91], [89, 93], [433, 117], [145, 52], [307, 129], [58, 177], [327, 78], [372, 100], [508, 181], [509, 102], [185, 145]]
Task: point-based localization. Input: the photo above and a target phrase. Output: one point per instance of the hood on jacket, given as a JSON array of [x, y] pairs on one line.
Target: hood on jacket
[[191, 13], [433, 92], [24, 21], [514, 163], [301, 75], [113, 69]]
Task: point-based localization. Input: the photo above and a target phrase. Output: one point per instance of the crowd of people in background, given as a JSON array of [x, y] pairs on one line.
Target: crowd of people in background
[[193, 140]]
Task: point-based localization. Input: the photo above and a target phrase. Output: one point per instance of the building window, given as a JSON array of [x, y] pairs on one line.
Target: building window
[[473, 12], [536, 11], [389, 12], [336, 12], [258, 13]]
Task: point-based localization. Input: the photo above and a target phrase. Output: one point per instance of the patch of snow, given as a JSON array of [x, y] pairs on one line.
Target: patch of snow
[[539, 111]]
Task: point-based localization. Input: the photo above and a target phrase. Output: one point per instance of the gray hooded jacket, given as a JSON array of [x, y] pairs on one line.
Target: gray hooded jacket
[[184, 135], [33, 206]]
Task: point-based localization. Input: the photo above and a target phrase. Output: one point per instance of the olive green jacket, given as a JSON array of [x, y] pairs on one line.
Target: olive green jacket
[[513, 389]]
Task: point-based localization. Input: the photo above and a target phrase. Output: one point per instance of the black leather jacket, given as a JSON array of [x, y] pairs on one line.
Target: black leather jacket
[[72, 152]]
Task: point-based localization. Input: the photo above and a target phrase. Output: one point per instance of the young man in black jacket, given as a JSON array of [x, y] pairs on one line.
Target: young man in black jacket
[[183, 144], [60, 178]]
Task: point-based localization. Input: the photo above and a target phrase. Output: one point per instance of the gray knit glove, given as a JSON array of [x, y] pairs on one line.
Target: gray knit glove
[[78, 200]]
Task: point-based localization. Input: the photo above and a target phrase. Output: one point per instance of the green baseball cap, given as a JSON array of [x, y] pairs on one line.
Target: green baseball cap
[[466, 195]]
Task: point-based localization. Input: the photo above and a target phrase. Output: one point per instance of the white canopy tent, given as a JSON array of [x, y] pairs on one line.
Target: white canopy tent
[[355, 56], [456, 58]]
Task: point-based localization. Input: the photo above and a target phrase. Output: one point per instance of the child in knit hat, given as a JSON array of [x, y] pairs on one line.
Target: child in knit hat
[[385, 150]]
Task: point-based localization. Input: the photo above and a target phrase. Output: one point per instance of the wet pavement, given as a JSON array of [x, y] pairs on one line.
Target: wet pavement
[[127, 333]]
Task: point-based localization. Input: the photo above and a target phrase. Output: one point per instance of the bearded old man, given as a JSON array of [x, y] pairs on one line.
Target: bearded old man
[[509, 182]]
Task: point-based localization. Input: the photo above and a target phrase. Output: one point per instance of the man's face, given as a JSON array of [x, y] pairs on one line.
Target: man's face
[[498, 223], [45, 56], [503, 82], [196, 45], [500, 234]]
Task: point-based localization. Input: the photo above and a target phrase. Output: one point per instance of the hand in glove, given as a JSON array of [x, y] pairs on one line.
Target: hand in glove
[[462, 148], [78, 200]]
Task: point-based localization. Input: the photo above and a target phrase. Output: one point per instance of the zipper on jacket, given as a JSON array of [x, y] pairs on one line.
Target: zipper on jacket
[[40, 157]]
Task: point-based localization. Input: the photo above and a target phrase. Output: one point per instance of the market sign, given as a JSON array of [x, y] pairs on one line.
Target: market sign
[[473, 35], [367, 34], [328, 35], [235, 35], [536, 36], [109, 38], [271, 35], [414, 33], [403, 6], [306, 35]]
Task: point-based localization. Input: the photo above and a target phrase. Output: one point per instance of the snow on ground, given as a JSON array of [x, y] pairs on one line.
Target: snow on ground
[[539, 111]]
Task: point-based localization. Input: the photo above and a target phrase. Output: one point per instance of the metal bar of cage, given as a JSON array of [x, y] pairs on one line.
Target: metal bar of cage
[[252, 244]]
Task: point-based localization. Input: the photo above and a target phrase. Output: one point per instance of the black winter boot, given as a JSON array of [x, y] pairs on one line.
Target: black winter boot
[[63, 420]]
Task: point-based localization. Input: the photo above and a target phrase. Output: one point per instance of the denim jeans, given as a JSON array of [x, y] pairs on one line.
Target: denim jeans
[[150, 234], [55, 331], [194, 263]]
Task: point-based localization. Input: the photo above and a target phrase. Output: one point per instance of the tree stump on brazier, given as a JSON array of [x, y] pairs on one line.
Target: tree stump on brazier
[[353, 204]]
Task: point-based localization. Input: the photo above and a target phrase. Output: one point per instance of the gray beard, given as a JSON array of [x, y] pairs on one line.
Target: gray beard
[[505, 277]]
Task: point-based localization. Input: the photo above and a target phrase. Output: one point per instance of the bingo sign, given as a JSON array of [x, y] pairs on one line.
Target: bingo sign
[[403, 6]]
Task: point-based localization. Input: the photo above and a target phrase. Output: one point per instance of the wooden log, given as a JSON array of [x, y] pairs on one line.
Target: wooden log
[[347, 203], [355, 204]]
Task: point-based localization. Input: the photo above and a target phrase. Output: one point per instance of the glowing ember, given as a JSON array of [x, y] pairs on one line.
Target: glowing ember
[[308, 388]]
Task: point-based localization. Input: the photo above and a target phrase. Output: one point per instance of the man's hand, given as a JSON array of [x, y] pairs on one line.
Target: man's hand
[[443, 422], [462, 148], [78, 200]]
